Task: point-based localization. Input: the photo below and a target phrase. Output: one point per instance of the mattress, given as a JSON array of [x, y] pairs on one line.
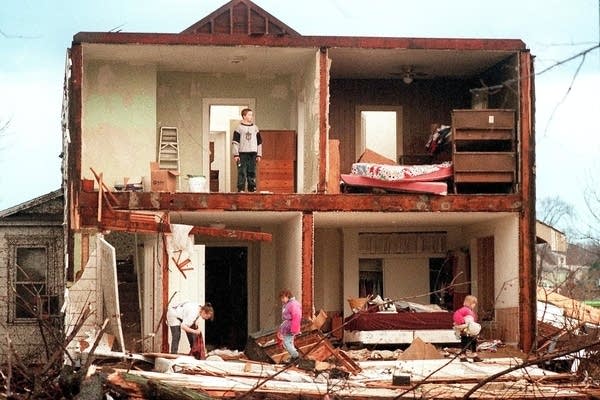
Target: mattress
[[439, 188], [402, 178], [400, 336], [405, 173]]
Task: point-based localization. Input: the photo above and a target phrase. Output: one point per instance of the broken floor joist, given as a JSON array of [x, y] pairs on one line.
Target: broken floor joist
[[124, 221]]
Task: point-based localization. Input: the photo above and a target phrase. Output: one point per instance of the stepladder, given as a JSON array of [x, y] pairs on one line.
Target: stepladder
[[168, 148]]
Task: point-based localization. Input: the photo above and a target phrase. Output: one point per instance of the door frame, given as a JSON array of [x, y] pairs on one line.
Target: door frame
[[360, 139], [206, 104]]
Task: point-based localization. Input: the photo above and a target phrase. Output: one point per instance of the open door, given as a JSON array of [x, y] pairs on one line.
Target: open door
[[226, 290], [219, 115], [379, 128]]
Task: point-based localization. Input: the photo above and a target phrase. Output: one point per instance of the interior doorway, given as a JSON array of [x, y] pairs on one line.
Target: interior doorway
[[220, 118], [226, 289], [379, 128]]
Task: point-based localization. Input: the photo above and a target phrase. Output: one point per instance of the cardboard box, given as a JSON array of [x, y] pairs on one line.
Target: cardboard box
[[162, 180]]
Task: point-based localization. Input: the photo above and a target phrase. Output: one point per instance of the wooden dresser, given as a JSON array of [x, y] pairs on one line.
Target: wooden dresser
[[484, 150]]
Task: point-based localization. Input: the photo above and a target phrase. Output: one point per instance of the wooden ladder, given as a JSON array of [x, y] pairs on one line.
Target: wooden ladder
[[168, 150]]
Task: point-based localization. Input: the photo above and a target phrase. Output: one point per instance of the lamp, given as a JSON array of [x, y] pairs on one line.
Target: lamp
[[407, 78]]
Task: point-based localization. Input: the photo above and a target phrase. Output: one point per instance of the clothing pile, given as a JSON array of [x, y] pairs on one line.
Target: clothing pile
[[439, 139]]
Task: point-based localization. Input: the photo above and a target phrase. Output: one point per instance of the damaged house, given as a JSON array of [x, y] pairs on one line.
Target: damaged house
[[32, 237], [154, 218]]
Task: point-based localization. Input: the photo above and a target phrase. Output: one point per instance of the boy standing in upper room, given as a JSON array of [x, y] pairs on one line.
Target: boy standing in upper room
[[247, 151]]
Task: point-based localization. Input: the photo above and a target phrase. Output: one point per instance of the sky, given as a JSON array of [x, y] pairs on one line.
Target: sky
[[35, 35]]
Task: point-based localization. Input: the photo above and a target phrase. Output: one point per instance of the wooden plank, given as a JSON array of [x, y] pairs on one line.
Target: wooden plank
[[484, 134], [484, 161], [333, 171], [308, 268], [278, 145]]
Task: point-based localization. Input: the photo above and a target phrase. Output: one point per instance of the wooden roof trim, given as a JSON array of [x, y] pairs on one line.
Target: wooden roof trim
[[299, 41], [208, 24]]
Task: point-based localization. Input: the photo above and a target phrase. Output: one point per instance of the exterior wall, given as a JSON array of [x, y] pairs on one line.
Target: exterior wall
[[119, 108], [556, 239], [26, 337]]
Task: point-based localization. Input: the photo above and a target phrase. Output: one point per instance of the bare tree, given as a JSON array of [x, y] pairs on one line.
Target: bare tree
[[552, 210]]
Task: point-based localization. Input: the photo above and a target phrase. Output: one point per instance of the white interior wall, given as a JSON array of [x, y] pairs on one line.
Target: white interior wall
[[350, 267], [280, 268], [180, 98], [328, 293], [268, 312], [310, 157], [119, 116], [506, 257], [406, 278]]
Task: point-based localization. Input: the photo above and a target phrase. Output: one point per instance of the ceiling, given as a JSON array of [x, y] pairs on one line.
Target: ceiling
[[346, 63]]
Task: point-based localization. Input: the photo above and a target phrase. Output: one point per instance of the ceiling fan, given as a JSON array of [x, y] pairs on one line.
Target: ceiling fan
[[408, 73]]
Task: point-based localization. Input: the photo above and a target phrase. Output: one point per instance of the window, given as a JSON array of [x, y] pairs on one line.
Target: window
[[33, 278], [370, 278], [30, 282]]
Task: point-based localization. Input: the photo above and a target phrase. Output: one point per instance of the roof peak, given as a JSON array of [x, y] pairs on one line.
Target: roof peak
[[240, 17]]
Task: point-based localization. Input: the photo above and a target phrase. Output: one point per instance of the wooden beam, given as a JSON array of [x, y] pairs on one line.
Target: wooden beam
[[299, 41], [323, 118], [399, 202], [527, 222], [308, 274], [146, 223]]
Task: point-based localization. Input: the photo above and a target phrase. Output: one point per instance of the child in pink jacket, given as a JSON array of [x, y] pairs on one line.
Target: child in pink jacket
[[291, 315]]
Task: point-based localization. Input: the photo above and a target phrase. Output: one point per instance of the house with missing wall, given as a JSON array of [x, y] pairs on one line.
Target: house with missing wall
[[148, 116], [32, 237]]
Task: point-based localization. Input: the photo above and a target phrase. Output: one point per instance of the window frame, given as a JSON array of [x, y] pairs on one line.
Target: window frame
[[52, 275]]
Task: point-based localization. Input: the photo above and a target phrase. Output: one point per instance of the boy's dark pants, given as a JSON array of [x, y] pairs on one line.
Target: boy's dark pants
[[247, 172]]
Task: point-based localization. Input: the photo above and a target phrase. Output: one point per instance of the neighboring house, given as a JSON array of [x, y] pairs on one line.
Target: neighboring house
[[584, 262], [32, 256], [551, 254], [136, 98], [563, 267]]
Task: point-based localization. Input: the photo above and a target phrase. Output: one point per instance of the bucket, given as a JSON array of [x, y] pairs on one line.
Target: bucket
[[198, 184]]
